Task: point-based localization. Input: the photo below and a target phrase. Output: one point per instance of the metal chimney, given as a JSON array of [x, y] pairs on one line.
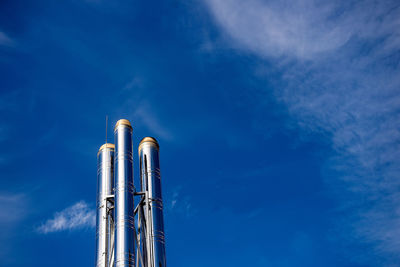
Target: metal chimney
[[105, 185], [124, 192], [116, 235], [150, 181]]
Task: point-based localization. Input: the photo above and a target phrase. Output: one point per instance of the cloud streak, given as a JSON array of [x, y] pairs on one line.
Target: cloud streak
[[77, 216], [14, 208], [5, 40], [146, 116], [304, 29], [340, 78], [180, 204], [277, 29]]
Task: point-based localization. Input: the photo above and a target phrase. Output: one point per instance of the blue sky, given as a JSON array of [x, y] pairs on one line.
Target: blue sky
[[277, 121]]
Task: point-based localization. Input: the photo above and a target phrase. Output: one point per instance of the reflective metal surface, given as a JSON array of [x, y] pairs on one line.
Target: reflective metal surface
[[124, 192], [105, 178], [122, 122], [117, 241], [150, 182]]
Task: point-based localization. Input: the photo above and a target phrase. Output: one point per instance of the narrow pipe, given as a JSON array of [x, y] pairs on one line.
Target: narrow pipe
[[151, 183], [105, 184], [124, 190]]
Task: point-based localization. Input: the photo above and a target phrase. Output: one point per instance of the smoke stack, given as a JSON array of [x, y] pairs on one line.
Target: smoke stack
[[150, 180], [116, 235], [105, 185], [124, 192]]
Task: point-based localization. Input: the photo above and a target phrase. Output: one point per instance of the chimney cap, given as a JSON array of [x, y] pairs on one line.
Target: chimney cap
[[106, 145], [123, 122], [150, 140]]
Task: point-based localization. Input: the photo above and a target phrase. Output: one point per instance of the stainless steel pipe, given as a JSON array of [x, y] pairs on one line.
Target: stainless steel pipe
[[105, 185], [124, 192], [150, 181], [115, 228]]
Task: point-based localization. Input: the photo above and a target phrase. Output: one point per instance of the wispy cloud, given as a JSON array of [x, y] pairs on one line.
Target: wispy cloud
[[340, 78], [359, 115], [174, 199], [145, 115], [303, 28], [14, 210], [77, 216], [135, 105], [295, 28], [180, 204], [3, 133], [13, 207], [5, 40]]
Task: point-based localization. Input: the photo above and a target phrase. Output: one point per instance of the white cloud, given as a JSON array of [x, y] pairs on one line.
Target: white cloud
[[13, 208], [299, 28], [77, 216], [173, 203], [3, 133], [302, 28], [180, 204], [359, 114], [145, 115], [141, 112], [175, 197], [341, 79], [5, 40]]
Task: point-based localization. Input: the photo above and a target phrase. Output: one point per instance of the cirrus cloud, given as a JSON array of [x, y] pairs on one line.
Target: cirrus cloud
[[339, 77], [77, 216]]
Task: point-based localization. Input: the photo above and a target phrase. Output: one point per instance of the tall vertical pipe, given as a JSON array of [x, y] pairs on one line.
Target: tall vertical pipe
[[124, 192], [105, 184], [151, 183]]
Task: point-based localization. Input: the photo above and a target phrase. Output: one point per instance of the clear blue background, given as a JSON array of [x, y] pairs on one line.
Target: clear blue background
[[244, 182]]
